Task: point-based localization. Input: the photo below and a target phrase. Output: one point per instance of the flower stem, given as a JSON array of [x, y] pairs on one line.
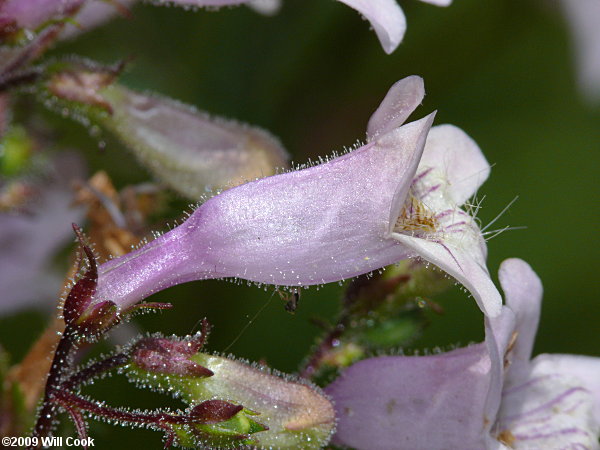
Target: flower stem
[[159, 419], [62, 361], [94, 370], [326, 344]]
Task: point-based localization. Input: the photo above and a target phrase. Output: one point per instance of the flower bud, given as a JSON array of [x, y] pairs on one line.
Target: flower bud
[[218, 424], [82, 86], [214, 411], [168, 356], [188, 150], [277, 412]]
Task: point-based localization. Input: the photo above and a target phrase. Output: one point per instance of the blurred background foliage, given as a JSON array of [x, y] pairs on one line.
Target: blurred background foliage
[[502, 70]]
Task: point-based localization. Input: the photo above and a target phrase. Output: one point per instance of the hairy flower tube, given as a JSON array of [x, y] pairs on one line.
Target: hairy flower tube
[[33, 15], [356, 213], [489, 395]]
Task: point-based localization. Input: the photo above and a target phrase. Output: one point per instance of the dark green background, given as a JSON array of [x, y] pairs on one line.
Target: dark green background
[[501, 70]]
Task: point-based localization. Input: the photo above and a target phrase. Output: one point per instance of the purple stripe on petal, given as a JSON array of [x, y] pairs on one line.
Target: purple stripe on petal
[[563, 432], [546, 406]]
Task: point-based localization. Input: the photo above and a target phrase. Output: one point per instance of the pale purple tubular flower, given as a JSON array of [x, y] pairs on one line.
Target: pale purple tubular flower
[[95, 13], [266, 7], [311, 226], [87, 14], [32, 13], [488, 395], [583, 17], [552, 401], [386, 18], [354, 214], [28, 241]]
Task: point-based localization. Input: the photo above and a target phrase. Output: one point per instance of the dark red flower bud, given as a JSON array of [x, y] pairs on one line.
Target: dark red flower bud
[[170, 356], [214, 411]]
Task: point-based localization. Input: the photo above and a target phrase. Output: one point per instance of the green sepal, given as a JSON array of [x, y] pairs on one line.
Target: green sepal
[[73, 88], [231, 433]]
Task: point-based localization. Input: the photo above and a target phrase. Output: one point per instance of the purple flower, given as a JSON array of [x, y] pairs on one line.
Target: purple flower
[[386, 18], [30, 240], [583, 17], [372, 207], [94, 13], [33, 13], [49, 18], [484, 396]]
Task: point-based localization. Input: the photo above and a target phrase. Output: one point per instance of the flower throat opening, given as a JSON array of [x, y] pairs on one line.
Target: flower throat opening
[[416, 219]]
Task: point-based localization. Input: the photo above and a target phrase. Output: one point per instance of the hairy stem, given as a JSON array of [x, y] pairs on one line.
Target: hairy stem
[[362, 295], [158, 419], [63, 359], [326, 344], [95, 370]]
